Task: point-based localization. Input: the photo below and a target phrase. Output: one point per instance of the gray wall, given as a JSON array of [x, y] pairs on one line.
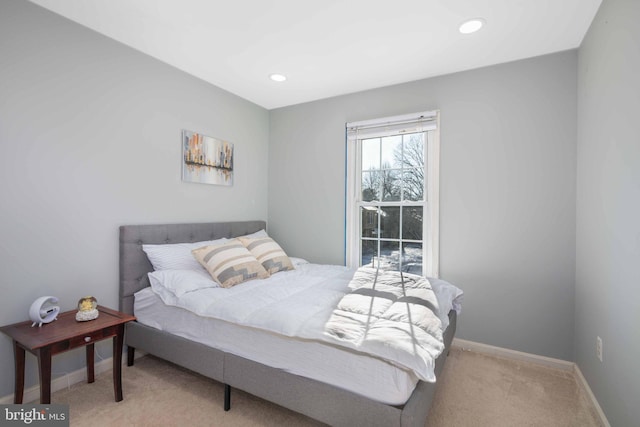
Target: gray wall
[[608, 210], [508, 171], [90, 140]]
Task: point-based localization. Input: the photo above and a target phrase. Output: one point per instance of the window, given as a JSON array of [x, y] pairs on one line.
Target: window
[[392, 193]]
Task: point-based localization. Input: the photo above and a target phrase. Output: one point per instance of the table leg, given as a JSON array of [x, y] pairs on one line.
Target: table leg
[[18, 357], [90, 363], [131, 354], [118, 342], [44, 365]]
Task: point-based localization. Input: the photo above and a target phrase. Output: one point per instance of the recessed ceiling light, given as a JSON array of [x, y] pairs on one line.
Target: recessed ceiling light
[[278, 77], [471, 26]]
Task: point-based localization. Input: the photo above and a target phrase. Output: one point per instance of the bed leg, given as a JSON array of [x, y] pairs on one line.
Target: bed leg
[[131, 353], [227, 397]]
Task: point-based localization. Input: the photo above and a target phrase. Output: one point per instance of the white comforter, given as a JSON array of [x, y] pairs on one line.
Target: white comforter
[[301, 303]]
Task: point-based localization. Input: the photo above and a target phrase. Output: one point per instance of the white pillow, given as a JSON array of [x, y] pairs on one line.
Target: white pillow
[[179, 282], [256, 235], [298, 261], [177, 256], [449, 298]]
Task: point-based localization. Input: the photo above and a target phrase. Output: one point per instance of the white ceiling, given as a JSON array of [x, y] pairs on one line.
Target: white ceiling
[[330, 47]]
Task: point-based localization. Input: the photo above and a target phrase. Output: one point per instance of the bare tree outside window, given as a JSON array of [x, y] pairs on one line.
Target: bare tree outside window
[[411, 157]]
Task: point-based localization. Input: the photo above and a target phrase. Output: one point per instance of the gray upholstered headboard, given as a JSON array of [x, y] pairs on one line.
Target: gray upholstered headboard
[[134, 264]]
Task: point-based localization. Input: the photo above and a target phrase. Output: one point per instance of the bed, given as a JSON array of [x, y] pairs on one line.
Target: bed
[[316, 398]]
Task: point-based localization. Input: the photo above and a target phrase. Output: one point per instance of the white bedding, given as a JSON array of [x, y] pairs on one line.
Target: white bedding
[[367, 376], [229, 319]]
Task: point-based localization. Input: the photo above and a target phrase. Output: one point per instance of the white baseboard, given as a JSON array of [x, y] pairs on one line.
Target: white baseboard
[[513, 354], [582, 381], [539, 360], [33, 393]]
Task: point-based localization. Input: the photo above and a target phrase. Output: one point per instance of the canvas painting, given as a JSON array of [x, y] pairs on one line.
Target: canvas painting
[[206, 160]]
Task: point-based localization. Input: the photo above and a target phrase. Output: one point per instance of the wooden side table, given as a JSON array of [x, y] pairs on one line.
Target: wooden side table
[[62, 335]]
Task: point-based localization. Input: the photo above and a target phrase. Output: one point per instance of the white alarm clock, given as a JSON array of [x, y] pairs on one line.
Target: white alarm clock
[[43, 310]]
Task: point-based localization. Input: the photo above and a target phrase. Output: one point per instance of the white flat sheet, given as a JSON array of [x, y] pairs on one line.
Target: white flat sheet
[[367, 376]]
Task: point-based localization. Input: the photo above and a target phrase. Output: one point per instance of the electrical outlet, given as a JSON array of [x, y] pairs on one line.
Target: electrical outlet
[[599, 348]]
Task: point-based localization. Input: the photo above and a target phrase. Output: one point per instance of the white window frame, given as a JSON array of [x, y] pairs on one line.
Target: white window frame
[[428, 122]]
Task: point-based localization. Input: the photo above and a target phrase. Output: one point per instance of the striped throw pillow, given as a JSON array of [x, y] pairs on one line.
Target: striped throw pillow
[[268, 253], [230, 263]]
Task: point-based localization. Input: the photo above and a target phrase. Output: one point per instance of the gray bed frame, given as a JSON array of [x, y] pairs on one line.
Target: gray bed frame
[[323, 402]]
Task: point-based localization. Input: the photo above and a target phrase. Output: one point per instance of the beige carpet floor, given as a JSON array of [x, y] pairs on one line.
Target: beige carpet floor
[[475, 390]]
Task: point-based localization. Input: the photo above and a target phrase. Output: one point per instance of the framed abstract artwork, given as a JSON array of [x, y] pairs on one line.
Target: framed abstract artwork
[[206, 160]]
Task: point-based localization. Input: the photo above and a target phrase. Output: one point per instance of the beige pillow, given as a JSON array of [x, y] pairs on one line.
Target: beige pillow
[[268, 253], [230, 263]]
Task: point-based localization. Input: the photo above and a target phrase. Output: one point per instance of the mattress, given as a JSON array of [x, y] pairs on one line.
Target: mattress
[[367, 376]]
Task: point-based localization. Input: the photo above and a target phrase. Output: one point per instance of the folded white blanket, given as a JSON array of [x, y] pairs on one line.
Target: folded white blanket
[[301, 303], [390, 315]]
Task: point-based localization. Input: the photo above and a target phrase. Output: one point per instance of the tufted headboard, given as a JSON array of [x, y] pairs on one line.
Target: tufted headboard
[[134, 264]]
